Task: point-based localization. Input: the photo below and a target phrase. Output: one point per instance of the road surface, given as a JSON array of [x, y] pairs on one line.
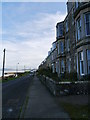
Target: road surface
[[13, 96]]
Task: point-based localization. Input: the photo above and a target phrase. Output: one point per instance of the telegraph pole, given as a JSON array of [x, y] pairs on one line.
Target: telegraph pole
[[3, 64]]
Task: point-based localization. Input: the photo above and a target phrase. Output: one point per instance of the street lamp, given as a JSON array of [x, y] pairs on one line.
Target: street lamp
[[17, 69]]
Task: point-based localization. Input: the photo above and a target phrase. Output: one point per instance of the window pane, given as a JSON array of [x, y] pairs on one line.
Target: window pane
[[88, 54], [66, 26], [81, 55], [78, 34], [87, 17], [82, 67], [78, 23], [88, 28], [76, 3], [67, 45], [89, 67], [62, 66], [87, 21], [81, 63], [61, 46], [58, 49], [79, 29]]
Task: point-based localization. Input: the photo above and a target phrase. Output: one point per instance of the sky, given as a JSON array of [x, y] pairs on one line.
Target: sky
[[28, 30]]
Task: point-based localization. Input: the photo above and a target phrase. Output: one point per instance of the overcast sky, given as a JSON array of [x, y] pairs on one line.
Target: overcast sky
[[28, 30]]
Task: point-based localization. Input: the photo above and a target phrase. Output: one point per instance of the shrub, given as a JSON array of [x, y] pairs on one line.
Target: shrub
[[85, 78], [48, 72], [69, 76]]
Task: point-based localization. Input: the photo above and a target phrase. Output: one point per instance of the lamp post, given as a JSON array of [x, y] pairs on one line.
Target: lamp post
[[17, 69], [3, 64]]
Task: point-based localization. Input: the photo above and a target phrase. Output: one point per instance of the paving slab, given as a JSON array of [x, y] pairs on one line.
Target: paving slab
[[41, 103]]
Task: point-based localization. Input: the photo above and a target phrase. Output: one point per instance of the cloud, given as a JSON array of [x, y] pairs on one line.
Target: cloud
[[37, 0], [44, 23], [30, 41]]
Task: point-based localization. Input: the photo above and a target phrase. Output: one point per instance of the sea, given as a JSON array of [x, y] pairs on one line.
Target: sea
[[8, 71]]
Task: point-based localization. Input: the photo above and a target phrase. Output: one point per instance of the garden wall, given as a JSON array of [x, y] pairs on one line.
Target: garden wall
[[66, 88]]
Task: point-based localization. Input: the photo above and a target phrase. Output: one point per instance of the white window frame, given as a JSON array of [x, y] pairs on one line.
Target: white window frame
[[86, 23], [80, 62]]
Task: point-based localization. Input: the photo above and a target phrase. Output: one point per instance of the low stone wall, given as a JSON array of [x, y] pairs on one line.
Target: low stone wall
[[66, 88]]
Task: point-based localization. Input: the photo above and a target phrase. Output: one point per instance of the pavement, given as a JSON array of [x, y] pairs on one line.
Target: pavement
[[13, 96], [41, 103]]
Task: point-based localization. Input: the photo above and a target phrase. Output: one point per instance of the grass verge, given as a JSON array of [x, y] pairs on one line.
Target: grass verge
[[14, 78], [76, 112]]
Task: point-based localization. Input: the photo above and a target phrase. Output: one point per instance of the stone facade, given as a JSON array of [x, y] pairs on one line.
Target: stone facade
[[71, 50], [82, 17]]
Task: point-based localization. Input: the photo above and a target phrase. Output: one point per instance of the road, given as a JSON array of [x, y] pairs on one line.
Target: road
[[13, 96]]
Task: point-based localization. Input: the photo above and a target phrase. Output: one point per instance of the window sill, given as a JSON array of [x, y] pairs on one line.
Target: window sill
[[82, 74], [87, 35]]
